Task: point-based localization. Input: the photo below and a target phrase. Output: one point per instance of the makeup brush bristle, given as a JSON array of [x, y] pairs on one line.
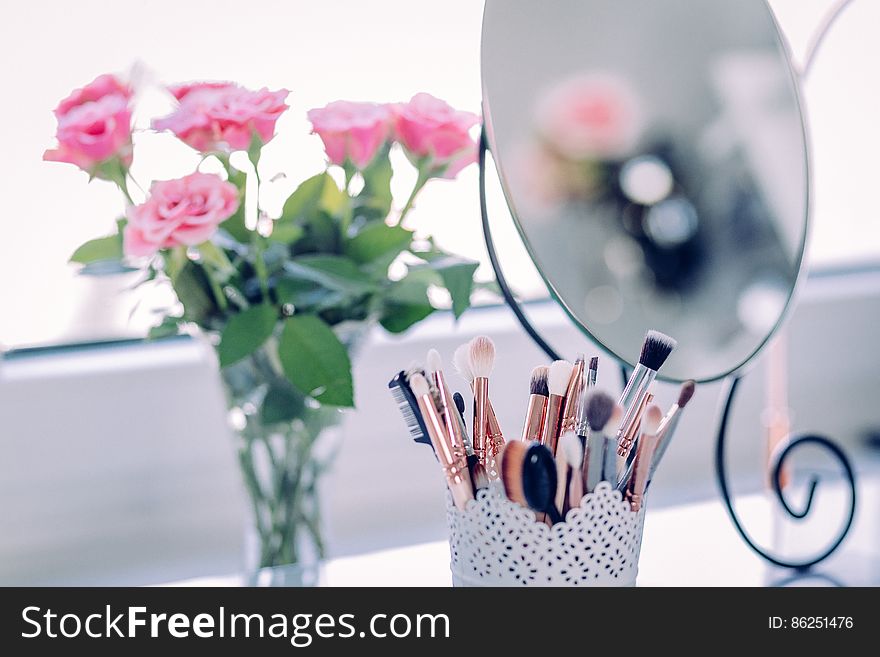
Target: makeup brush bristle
[[558, 376], [433, 361], [594, 363], [419, 385], [651, 420], [600, 406], [481, 356], [656, 349], [538, 382], [687, 391], [571, 449], [462, 363], [512, 458]]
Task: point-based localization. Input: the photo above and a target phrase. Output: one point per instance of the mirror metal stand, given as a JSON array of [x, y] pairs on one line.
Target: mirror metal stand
[[728, 395]]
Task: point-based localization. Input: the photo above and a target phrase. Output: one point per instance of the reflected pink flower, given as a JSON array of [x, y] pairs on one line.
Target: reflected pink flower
[[590, 117]]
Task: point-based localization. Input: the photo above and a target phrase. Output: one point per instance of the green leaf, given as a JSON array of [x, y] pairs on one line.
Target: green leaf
[[312, 207], [254, 149], [193, 291], [168, 327], [458, 278], [245, 332], [331, 271], [397, 318], [308, 295], [406, 301], [378, 242], [305, 199], [315, 361], [376, 194], [235, 224], [97, 250], [216, 259], [286, 233], [281, 404]]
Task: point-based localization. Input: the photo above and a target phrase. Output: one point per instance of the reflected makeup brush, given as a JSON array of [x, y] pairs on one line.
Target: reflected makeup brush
[[655, 350], [537, 410], [600, 411], [446, 407], [669, 423], [570, 483], [539, 481], [557, 383], [454, 466], [576, 384], [638, 480]]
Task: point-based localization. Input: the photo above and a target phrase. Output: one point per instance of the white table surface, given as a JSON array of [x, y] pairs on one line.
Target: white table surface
[[686, 545]]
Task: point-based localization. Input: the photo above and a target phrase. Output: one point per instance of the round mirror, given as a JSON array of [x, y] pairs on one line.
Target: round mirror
[[653, 155]]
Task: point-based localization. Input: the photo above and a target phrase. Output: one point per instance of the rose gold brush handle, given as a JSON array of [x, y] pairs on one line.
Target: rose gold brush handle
[[481, 418], [535, 417], [626, 441], [449, 415], [454, 467], [576, 385], [638, 481], [550, 434]]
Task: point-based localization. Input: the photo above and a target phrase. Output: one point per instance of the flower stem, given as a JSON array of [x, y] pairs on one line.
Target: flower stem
[[420, 182]]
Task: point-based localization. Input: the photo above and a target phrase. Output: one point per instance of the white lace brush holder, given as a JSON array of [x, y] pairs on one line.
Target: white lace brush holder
[[496, 542]]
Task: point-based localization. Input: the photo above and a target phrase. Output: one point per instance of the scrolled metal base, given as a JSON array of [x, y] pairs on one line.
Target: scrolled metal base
[[780, 457]]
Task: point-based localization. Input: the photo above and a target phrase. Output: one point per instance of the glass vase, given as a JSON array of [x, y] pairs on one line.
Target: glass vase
[[283, 453]]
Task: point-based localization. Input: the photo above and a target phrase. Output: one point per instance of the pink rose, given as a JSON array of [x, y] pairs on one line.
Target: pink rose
[[222, 116], [94, 125], [178, 212], [590, 117], [351, 132], [429, 128]]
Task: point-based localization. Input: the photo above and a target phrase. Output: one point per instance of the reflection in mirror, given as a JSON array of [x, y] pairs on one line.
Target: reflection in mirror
[[653, 157]]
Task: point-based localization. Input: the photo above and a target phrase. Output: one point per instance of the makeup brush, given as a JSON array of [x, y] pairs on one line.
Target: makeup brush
[[481, 357], [512, 458], [599, 409], [462, 361], [628, 440], [454, 466], [638, 480], [537, 410], [458, 400], [576, 383], [581, 425], [557, 382], [569, 484], [446, 407], [539, 481], [669, 423], [655, 350]]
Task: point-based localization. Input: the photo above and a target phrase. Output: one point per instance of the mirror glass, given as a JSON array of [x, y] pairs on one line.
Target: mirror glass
[[652, 153]]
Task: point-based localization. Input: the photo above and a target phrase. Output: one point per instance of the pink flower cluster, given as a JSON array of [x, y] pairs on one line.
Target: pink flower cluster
[[434, 135], [222, 116], [94, 125], [179, 212]]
